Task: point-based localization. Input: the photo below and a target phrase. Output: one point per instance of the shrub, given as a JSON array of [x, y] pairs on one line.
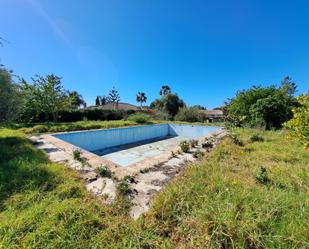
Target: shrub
[[139, 118], [262, 176], [193, 143], [39, 129], [299, 124], [123, 188], [79, 115], [256, 138], [191, 114], [184, 146], [198, 154], [104, 171]]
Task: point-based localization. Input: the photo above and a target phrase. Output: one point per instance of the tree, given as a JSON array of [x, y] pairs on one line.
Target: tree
[[141, 98], [114, 97], [165, 90], [191, 114], [45, 95], [97, 101], [77, 100], [103, 100], [11, 98], [264, 106], [168, 105]]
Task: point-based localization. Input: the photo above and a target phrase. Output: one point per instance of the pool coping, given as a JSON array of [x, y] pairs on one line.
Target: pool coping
[[119, 171]]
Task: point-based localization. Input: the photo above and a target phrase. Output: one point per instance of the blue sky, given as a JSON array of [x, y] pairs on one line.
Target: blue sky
[[204, 50]]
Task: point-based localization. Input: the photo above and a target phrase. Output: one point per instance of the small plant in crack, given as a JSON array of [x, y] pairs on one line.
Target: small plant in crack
[[104, 171], [193, 143], [198, 154], [123, 188], [184, 146], [129, 179], [77, 155]]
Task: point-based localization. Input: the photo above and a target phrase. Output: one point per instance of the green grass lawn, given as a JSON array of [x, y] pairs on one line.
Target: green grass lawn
[[225, 201]]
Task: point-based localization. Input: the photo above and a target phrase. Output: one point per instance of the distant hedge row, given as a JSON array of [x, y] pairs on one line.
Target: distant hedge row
[[87, 114]]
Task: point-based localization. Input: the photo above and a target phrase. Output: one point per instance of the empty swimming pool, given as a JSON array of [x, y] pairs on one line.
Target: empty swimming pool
[[129, 145]]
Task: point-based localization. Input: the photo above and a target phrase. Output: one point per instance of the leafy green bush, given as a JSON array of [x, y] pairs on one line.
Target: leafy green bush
[[39, 129], [104, 171], [256, 138], [299, 124], [191, 114], [184, 146], [139, 118]]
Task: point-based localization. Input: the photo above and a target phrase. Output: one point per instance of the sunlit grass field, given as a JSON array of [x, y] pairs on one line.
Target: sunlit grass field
[[250, 196]]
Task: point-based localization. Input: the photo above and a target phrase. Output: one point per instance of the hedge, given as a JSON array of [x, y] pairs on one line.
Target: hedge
[[86, 114]]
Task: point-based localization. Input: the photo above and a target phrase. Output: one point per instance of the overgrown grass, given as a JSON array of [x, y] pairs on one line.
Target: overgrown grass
[[217, 203]]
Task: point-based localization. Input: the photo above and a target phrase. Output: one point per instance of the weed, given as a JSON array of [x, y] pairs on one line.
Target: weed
[[236, 140], [184, 146], [198, 154], [256, 138], [129, 179], [123, 188], [262, 176], [207, 144], [104, 171], [193, 143], [77, 155]]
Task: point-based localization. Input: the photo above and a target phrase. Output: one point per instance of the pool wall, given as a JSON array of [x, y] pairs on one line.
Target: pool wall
[[101, 139]]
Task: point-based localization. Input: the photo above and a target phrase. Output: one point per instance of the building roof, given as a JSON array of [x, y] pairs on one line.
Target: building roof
[[214, 112]]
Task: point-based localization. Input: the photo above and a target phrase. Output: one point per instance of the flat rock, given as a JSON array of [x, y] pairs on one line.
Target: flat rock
[[89, 176]]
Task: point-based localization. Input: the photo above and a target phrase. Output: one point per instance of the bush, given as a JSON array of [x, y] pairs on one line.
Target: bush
[[256, 138], [184, 146], [39, 129], [79, 115], [104, 171], [299, 124], [139, 118], [191, 114]]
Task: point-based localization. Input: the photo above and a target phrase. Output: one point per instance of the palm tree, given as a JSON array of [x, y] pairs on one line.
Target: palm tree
[[141, 98], [165, 90]]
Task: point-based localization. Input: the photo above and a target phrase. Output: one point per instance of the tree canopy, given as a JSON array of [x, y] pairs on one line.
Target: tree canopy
[[45, 95], [268, 106], [11, 98]]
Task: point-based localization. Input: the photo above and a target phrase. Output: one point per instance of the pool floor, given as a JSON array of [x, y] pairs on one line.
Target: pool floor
[[131, 155]]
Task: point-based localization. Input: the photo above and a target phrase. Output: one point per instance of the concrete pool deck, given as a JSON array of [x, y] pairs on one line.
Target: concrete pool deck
[[132, 154]]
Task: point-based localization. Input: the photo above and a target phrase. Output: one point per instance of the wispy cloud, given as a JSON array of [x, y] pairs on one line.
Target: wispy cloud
[[51, 22]]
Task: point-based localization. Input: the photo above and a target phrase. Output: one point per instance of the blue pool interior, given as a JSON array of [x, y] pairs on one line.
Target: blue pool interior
[[129, 145]]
